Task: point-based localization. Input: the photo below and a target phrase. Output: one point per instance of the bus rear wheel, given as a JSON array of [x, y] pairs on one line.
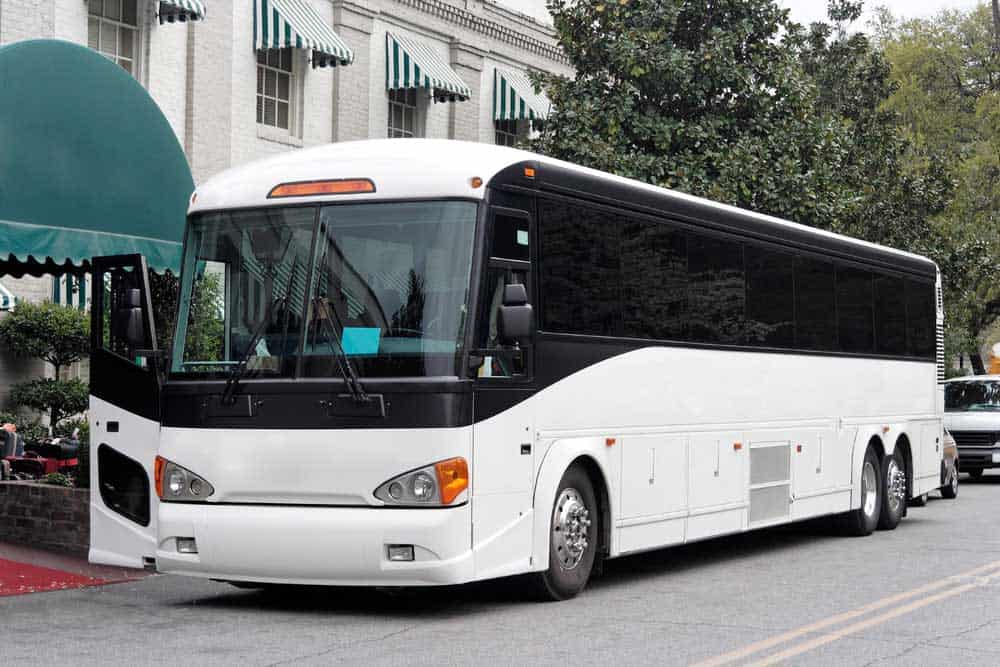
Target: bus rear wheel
[[893, 492], [864, 520], [573, 541]]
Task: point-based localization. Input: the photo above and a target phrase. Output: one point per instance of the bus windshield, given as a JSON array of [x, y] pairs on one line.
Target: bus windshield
[[972, 396], [385, 284]]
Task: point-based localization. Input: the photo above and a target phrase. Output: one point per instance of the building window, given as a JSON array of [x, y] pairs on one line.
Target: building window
[[403, 113], [275, 83], [505, 132], [112, 30]]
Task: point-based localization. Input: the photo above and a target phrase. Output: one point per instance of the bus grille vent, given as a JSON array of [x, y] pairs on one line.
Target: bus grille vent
[[770, 480]]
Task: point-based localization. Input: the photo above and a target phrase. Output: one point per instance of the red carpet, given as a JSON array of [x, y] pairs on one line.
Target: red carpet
[[20, 578]]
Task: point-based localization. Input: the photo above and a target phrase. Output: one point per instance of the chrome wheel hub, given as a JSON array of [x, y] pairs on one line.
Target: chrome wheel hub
[[570, 525], [869, 490], [896, 484]]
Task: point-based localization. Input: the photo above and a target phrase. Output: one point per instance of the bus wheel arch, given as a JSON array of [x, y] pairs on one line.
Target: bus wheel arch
[[561, 458], [600, 485]]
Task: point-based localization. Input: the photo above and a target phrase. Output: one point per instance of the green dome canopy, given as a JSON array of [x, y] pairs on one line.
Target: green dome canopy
[[88, 163]]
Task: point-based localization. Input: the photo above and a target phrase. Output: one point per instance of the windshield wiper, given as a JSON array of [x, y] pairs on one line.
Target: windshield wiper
[[238, 371], [324, 311]]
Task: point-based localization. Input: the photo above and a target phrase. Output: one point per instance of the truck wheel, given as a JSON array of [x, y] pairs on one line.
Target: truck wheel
[[893, 493], [950, 490], [862, 521], [572, 537]]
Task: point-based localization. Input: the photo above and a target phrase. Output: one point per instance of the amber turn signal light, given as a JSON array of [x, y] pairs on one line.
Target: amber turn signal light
[[342, 186], [453, 478], [158, 466]]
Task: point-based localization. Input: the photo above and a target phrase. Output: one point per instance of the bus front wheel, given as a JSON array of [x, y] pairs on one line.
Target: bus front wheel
[[573, 537]]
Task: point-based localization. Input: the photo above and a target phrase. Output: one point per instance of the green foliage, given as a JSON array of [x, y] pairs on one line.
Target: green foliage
[[704, 97], [61, 398], [58, 479], [164, 289], [56, 334], [206, 321], [29, 428], [947, 77], [66, 428]]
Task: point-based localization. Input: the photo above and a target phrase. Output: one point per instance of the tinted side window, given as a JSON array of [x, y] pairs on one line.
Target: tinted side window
[[510, 237], [770, 298], [716, 294], [890, 315], [579, 270], [854, 310], [654, 280], [815, 305], [921, 318]]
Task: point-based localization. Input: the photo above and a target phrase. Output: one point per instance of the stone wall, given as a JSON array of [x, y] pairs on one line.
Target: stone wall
[[49, 517]]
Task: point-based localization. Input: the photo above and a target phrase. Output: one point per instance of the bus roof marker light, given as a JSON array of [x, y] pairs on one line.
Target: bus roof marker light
[[476, 182], [339, 186], [529, 172], [610, 442], [737, 446]]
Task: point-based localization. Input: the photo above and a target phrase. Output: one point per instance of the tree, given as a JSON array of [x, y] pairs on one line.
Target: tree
[[947, 74], [61, 398], [59, 335], [706, 97]]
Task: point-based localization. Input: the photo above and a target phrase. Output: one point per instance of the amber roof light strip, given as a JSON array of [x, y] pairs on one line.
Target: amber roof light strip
[[340, 186]]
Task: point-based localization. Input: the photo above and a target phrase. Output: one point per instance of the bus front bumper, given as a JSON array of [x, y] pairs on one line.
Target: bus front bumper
[[339, 546]]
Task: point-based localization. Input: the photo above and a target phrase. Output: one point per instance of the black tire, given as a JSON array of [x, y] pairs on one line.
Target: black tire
[[975, 473], [859, 522], [950, 490], [569, 569], [893, 492], [919, 501]]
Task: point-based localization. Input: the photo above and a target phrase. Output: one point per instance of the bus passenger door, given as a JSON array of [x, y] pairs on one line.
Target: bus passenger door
[[124, 414]]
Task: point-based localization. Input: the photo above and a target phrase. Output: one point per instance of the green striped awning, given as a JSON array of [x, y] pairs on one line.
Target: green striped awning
[[514, 97], [279, 24], [179, 11], [410, 63]]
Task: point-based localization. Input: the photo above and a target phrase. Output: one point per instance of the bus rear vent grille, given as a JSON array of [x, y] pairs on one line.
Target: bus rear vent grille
[[940, 353]]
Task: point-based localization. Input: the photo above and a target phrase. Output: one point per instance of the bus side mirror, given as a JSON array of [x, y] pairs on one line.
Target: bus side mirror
[[129, 319], [516, 314]]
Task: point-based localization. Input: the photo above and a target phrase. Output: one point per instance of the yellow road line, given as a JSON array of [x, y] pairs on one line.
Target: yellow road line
[[786, 637]]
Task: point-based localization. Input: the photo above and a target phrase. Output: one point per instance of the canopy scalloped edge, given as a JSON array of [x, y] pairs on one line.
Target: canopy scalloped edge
[[71, 249]]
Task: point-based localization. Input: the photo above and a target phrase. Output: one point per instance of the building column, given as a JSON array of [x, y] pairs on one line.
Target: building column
[[463, 121], [208, 131], [351, 86]]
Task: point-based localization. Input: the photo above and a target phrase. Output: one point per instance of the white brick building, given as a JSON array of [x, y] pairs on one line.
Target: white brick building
[[230, 103], [203, 73]]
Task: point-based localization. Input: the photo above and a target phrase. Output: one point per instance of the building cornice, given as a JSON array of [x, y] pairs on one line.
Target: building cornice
[[492, 29]]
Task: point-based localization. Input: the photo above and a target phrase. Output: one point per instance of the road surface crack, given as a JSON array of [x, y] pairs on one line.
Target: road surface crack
[[343, 645]]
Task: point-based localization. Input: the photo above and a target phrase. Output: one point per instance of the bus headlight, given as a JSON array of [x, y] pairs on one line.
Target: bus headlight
[[441, 483], [174, 482]]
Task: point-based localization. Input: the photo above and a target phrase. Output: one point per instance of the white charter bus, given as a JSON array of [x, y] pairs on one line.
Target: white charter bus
[[416, 362]]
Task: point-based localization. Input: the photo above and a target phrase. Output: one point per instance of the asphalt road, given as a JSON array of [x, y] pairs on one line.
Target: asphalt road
[[926, 593]]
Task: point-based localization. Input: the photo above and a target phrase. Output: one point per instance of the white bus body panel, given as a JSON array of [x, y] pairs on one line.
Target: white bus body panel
[[686, 422]]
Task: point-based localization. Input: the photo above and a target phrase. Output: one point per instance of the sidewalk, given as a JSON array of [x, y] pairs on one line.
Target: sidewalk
[[27, 570]]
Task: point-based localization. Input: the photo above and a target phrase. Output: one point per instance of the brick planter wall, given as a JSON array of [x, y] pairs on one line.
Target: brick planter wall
[[41, 515]]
